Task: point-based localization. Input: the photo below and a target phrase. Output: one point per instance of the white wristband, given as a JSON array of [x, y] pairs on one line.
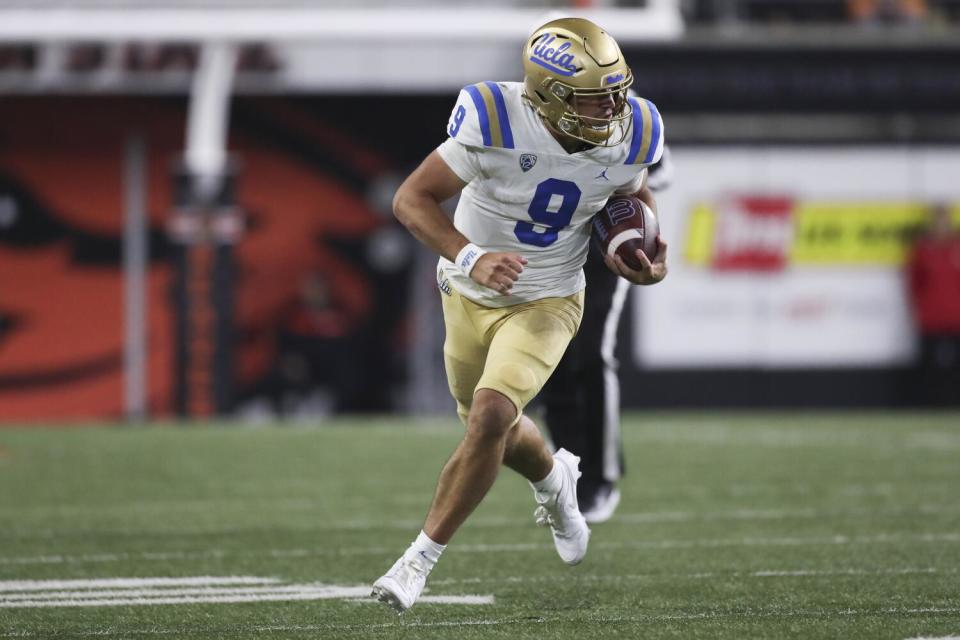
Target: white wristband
[[467, 258]]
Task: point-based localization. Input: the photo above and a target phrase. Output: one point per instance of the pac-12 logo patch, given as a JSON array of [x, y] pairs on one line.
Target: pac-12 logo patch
[[527, 160]]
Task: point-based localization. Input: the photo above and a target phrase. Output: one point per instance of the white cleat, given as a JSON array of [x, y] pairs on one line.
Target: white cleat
[[402, 585], [561, 512]]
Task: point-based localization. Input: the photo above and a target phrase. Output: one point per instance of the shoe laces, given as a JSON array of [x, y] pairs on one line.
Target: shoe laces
[[545, 518]]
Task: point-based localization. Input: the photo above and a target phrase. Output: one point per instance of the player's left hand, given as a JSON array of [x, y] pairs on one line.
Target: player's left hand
[[651, 273]]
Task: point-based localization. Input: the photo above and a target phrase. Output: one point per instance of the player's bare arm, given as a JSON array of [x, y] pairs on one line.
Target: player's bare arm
[[653, 271], [417, 205]]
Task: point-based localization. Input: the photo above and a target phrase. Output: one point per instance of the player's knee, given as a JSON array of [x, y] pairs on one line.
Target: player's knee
[[491, 415]]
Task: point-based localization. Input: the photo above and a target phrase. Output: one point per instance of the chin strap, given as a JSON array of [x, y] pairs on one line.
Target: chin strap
[[566, 140]]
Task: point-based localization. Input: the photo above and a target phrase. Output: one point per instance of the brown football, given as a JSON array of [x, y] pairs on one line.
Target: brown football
[[624, 225]]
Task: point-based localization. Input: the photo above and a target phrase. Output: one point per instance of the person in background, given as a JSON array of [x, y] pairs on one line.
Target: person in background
[[582, 398], [317, 342], [933, 278]]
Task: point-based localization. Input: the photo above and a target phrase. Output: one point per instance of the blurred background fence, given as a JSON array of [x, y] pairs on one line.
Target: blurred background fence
[[149, 270]]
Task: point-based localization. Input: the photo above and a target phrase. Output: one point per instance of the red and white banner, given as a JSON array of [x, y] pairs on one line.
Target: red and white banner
[[789, 257]]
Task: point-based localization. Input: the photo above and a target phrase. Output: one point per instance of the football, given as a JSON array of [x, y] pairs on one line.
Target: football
[[624, 225]]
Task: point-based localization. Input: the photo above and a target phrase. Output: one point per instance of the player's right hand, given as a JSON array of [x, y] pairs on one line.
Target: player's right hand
[[652, 272], [498, 271]]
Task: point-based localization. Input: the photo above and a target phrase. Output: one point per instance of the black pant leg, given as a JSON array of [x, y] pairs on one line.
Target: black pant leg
[[582, 397], [562, 403], [938, 376]]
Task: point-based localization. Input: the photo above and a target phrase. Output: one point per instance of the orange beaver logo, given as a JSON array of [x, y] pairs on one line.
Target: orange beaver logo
[[61, 223]]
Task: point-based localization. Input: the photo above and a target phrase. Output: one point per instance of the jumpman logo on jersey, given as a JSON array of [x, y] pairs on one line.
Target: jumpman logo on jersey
[[603, 174]]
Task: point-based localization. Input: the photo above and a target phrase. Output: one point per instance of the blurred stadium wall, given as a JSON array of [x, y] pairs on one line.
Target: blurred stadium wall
[[808, 149]]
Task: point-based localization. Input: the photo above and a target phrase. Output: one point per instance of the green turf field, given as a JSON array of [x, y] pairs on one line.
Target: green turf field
[[732, 526]]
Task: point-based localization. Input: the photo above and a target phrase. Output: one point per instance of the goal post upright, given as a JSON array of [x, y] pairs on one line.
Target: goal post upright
[[204, 227]]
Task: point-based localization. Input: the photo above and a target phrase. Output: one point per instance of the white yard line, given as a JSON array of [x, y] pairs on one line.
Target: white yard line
[[115, 602], [703, 543], [161, 556], [624, 518], [801, 573], [781, 514], [164, 591], [124, 583], [468, 599], [100, 589], [109, 592], [709, 543], [787, 437], [790, 573], [668, 516], [103, 594], [306, 594]]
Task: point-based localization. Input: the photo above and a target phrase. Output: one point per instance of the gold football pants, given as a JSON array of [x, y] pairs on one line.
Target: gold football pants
[[512, 350]]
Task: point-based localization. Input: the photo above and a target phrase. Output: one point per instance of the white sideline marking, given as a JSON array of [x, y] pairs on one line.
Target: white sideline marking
[[708, 543], [111, 592], [936, 638], [44, 585]]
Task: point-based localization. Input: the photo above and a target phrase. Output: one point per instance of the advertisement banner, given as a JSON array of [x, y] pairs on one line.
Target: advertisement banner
[[787, 257]]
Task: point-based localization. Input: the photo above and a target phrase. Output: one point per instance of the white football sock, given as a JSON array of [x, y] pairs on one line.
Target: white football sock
[[426, 550], [552, 483]]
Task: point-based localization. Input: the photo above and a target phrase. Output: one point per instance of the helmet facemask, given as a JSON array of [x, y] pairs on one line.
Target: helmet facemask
[[597, 131]]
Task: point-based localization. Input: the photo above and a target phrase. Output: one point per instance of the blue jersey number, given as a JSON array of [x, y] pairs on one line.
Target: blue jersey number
[[457, 121], [569, 194]]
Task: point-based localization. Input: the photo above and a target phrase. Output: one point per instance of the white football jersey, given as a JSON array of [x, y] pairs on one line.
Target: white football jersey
[[527, 195]]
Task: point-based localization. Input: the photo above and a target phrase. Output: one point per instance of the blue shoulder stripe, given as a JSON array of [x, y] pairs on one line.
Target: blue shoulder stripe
[[636, 133], [645, 137], [482, 112], [505, 130], [655, 136]]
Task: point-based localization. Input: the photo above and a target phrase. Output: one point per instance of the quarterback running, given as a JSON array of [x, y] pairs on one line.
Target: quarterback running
[[533, 162]]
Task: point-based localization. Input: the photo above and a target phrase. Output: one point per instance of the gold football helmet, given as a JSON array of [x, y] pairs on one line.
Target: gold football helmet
[[570, 58]]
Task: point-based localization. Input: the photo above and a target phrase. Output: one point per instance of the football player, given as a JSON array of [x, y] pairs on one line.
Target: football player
[[533, 161]]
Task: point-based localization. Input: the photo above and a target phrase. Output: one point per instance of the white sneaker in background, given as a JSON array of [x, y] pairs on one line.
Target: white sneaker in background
[[598, 506], [560, 511], [402, 584]]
